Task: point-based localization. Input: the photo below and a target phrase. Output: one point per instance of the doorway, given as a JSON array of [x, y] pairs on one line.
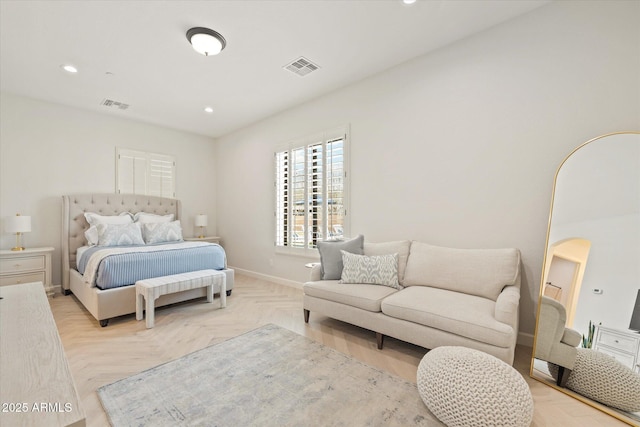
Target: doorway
[[566, 263]]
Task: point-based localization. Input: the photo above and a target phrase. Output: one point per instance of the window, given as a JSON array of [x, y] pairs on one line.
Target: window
[[311, 190], [139, 172]]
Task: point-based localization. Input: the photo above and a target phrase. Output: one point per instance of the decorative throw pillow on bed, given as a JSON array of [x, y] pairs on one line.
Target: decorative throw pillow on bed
[[331, 259], [374, 270], [160, 232], [119, 234], [148, 218], [94, 219]]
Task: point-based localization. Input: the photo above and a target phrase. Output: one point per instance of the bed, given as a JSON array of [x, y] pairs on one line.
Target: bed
[[108, 303]]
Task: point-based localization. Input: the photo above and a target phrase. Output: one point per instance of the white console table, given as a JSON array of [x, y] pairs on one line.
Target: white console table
[[624, 346], [36, 387]]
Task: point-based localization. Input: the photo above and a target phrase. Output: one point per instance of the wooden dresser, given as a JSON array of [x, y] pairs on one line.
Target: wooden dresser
[[36, 387]]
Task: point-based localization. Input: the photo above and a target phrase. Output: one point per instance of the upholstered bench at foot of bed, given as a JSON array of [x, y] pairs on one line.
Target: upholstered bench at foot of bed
[[151, 289]]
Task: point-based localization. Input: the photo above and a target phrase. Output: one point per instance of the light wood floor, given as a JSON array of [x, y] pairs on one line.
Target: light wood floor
[[99, 356]]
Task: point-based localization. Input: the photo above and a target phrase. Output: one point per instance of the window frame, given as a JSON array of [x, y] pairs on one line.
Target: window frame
[[305, 144]]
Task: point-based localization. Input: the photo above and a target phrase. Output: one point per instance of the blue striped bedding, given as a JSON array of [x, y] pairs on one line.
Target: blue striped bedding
[[123, 269]]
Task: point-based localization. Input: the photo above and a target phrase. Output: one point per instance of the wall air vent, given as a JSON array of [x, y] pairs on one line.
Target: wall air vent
[[301, 66], [114, 104]]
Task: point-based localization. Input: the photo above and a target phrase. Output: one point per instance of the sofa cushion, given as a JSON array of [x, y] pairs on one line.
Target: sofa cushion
[[400, 247], [331, 258], [366, 297], [480, 272], [461, 314], [373, 270]]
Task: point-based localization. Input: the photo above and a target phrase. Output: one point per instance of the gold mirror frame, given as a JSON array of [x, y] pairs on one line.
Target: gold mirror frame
[[617, 414]]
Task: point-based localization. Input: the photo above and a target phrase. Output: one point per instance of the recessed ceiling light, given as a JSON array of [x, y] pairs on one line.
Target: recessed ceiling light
[[408, 1], [208, 110], [69, 68], [206, 41]]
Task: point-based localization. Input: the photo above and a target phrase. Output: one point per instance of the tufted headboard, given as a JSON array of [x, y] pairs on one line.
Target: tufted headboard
[[74, 223]]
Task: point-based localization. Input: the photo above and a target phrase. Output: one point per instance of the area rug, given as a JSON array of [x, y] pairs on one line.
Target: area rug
[[267, 377]]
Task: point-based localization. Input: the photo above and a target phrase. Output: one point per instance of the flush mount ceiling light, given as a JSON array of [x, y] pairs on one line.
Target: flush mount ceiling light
[[206, 41], [208, 110]]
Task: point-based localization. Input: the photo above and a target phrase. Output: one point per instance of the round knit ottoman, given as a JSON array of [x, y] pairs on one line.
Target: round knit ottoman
[[467, 388], [602, 378]]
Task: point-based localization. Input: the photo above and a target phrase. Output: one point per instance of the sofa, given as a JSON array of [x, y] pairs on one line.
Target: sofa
[[438, 297]]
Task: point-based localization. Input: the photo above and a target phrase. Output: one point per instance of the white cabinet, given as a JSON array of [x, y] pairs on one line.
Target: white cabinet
[[26, 266], [624, 346]]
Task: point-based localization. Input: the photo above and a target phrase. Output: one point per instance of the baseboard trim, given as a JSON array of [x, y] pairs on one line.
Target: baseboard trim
[[268, 278], [525, 339], [54, 290]]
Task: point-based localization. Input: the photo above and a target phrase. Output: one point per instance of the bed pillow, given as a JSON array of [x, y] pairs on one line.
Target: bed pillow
[[94, 219], [160, 232], [92, 236], [331, 258], [119, 234], [373, 270], [148, 218]]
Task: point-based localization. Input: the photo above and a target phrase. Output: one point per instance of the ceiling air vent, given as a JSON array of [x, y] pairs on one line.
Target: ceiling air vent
[[301, 66], [114, 104]]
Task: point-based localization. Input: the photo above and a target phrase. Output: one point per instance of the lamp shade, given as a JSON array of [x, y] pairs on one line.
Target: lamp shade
[[201, 220], [18, 224]]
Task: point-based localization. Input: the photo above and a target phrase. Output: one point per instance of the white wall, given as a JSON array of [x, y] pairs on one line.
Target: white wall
[[456, 148], [47, 150]]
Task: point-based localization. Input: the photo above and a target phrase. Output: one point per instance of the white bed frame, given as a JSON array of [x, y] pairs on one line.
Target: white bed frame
[[105, 304]]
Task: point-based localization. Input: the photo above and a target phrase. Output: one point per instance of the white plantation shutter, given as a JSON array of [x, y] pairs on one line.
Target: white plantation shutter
[[131, 172], [298, 196], [282, 198], [335, 188], [139, 172], [161, 177], [311, 191], [315, 209]]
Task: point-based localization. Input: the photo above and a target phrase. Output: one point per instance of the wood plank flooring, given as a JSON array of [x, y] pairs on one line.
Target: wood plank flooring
[[99, 356]]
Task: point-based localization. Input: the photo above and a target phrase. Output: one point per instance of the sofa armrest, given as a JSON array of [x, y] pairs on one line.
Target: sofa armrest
[[507, 304], [316, 273], [571, 337]]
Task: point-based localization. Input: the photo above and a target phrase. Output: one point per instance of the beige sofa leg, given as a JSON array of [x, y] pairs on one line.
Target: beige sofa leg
[[306, 315], [380, 340]]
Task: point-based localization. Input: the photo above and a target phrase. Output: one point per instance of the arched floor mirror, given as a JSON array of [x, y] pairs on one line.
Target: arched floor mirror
[[586, 343]]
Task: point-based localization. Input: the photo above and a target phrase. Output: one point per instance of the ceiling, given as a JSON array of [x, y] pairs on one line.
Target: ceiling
[[137, 53]]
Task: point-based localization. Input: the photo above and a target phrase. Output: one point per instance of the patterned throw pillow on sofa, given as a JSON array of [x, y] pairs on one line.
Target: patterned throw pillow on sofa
[[374, 270]]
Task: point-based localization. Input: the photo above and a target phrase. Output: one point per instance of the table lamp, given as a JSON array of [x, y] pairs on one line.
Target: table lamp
[[18, 224], [201, 222]]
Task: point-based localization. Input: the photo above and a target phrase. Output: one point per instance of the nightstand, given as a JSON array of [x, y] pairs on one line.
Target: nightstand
[[29, 265], [210, 239]]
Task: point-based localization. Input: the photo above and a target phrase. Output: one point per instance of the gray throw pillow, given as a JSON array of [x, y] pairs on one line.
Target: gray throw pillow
[[331, 258]]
